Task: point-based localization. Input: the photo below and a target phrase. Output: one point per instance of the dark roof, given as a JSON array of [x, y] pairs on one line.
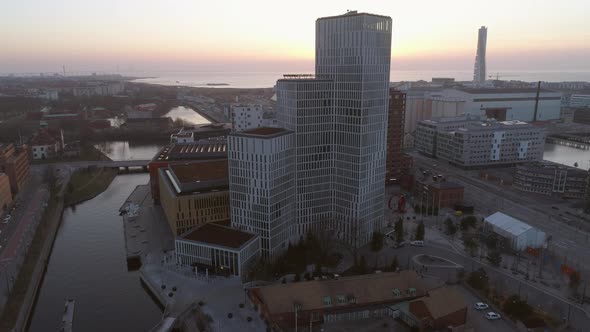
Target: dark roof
[[263, 132], [366, 289], [204, 149], [201, 171], [502, 90], [218, 235], [442, 302], [447, 185]]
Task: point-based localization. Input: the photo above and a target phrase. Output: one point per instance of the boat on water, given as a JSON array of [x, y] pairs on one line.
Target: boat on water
[[67, 321]]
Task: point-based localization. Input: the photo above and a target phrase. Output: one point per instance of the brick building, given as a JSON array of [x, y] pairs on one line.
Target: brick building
[[194, 194], [438, 194], [14, 162], [5, 193], [208, 149], [443, 309], [324, 301], [398, 163]]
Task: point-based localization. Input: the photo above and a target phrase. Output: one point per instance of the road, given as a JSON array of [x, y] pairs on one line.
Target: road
[[567, 240], [23, 198]]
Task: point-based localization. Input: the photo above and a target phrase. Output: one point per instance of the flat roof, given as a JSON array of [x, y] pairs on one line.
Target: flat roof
[[447, 185], [263, 132], [218, 235], [202, 149], [365, 289], [200, 171], [507, 223], [351, 13], [502, 90]]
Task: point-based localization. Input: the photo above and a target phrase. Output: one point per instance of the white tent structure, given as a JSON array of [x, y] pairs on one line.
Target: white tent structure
[[518, 234]]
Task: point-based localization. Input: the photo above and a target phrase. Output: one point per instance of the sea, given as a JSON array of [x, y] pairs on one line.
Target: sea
[[245, 80]]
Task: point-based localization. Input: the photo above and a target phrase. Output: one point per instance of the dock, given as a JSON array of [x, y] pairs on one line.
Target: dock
[[67, 320]]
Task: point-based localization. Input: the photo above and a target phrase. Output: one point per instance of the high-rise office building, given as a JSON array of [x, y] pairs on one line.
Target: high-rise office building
[[305, 107], [261, 175], [398, 163], [354, 51], [479, 70]]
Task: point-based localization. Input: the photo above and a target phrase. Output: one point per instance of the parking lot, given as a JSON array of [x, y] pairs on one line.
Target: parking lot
[[476, 318]]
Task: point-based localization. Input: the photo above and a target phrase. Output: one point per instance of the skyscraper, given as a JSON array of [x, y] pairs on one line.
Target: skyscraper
[[340, 120], [354, 51], [479, 70]]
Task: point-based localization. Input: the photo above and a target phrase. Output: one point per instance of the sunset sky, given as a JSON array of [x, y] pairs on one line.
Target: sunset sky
[[279, 35]]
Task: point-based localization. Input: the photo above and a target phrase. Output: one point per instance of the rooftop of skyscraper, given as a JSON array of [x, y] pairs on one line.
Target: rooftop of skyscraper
[[263, 132]]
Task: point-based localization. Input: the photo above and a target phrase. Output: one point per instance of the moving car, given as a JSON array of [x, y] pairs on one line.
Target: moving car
[[398, 245], [492, 316], [417, 243], [481, 306]]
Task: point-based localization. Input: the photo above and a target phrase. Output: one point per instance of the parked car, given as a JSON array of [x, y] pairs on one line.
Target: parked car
[[492, 316], [481, 306], [417, 243]]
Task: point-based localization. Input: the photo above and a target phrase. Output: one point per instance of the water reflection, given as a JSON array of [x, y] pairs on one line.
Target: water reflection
[[567, 155], [186, 114], [123, 150], [88, 264]]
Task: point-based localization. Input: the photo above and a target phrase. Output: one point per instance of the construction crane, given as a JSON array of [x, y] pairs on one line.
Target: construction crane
[[498, 75]]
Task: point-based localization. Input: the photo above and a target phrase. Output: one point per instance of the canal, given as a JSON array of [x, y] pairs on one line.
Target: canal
[[567, 155], [124, 150], [88, 265]]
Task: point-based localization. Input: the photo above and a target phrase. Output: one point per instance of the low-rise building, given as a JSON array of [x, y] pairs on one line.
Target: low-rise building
[[194, 194], [211, 149], [46, 144], [218, 249], [347, 298], [5, 193], [514, 233], [99, 88], [478, 144], [548, 178], [189, 134], [14, 162], [443, 309]]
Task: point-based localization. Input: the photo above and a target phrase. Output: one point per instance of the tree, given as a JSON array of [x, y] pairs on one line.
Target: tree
[[470, 244], [399, 230], [377, 241], [517, 308], [478, 279], [468, 222], [495, 258], [420, 232], [394, 264], [574, 280], [362, 267], [451, 228], [492, 242]]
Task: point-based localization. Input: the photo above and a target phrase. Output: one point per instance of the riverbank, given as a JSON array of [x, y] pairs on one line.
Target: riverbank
[[85, 184], [24, 292], [87, 153]]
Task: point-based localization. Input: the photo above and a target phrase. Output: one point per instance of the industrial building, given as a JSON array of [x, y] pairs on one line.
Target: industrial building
[[14, 162], [514, 233], [552, 179], [476, 144], [262, 185], [218, 249], [505, 104], [194, 194]]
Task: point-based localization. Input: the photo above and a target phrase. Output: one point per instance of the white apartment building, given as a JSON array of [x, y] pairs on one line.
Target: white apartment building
[[244, 117], [305, 107], [99, 89], [427, 131], [506, 104], [477, 144], [262, 188]]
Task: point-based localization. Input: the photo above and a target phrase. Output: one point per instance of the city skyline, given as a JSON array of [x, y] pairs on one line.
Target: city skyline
[[526, 35]]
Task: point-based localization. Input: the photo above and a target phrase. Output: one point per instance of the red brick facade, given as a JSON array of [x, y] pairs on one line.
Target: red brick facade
[[398, 163]]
